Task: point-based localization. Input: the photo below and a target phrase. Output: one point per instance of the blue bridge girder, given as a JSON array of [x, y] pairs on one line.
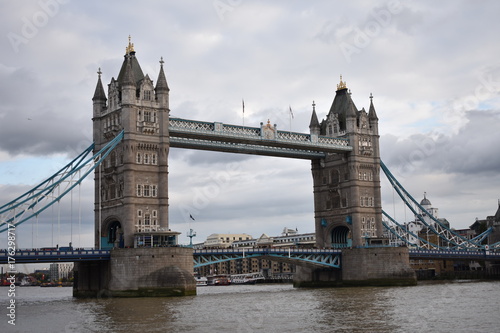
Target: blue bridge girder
[[454, 254], [314, 257], [317, 257], [215, 136], [51, 256]]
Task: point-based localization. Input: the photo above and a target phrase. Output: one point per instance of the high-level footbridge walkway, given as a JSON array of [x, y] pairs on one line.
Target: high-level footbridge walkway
[[264, 140]]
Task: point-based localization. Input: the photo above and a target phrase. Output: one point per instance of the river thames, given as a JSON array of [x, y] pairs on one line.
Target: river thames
[[437, 307]]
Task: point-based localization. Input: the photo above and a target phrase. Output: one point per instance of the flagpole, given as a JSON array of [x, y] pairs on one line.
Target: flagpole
[[291, 116], [243, 106]]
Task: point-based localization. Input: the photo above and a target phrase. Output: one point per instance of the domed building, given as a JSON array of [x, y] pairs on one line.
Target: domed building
[[429, 215]]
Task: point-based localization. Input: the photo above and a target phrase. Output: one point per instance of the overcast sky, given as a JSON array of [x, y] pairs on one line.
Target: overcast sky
[[433, 68]]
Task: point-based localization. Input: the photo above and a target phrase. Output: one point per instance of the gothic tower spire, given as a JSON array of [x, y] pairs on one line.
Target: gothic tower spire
[[99, 98], [161, 89], [314, 126]]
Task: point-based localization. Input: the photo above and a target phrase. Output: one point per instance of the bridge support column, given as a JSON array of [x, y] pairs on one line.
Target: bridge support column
[[379, 266], [138, 272], [382, 266], [308, 277]]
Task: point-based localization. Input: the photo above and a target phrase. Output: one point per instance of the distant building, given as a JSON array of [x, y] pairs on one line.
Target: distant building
[[288, 238], [479, 226], [423, 233], [270, 269], [420, 230], [224, 240], [61, 271]]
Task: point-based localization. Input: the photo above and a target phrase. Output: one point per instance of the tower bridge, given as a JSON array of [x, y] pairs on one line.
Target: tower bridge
[[133, 133]]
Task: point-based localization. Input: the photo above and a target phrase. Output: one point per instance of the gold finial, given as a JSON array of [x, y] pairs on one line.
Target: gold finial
[[341, 85], [161, 62], [314, 106], [130, 47], [99, 72]]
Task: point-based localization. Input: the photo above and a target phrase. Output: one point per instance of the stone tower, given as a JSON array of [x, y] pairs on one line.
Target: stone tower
[[131, 185], [347, 199]]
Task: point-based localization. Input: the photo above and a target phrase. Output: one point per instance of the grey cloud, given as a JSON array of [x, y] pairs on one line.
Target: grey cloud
[[470, 151]]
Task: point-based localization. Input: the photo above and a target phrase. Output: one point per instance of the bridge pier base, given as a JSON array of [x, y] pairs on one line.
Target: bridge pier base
[[382, 266], [137, 272], [307, 277], [378, 266]]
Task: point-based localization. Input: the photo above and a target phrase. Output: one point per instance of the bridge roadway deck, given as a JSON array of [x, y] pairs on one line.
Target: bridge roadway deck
[[251, 140], [26, 256]]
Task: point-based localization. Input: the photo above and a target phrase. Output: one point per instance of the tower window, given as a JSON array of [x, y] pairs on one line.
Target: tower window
[[120, 188], [147, 116], [146, 191], [153, 159], [147, 95], [146, 158], [139, 158], [153, 191], [139, 190]]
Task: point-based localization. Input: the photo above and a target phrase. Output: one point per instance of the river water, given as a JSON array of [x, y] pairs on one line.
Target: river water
[[444, 307]]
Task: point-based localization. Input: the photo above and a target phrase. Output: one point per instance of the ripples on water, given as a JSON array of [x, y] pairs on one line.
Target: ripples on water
[[449, 307]]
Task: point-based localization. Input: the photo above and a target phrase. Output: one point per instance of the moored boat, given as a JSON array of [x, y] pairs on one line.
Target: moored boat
[[201, 281], [250, 278], [219, 280]]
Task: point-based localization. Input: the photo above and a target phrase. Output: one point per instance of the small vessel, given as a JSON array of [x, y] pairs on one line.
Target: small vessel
[[219, 280], [250, 278], [201, 281]]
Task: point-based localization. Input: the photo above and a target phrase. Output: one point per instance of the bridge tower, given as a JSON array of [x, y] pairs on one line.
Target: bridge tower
[[347, 202], [347, 199], [131, 186], [131, 193]]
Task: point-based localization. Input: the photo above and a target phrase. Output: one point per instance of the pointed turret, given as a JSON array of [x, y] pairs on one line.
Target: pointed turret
[[372, 115], [344, 107], [497, 214], [161, 84], [99, 94], [136, 71], [161, 88], [128, 84], [314, 126], [128, 76], [99, 98]]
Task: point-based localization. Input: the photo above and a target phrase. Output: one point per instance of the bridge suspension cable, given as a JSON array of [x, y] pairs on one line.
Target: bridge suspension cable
[[53, 189], [449, 238]]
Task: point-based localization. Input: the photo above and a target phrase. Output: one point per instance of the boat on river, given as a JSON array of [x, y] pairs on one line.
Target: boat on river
[[219, 280], [201, 281], [249, 278]]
